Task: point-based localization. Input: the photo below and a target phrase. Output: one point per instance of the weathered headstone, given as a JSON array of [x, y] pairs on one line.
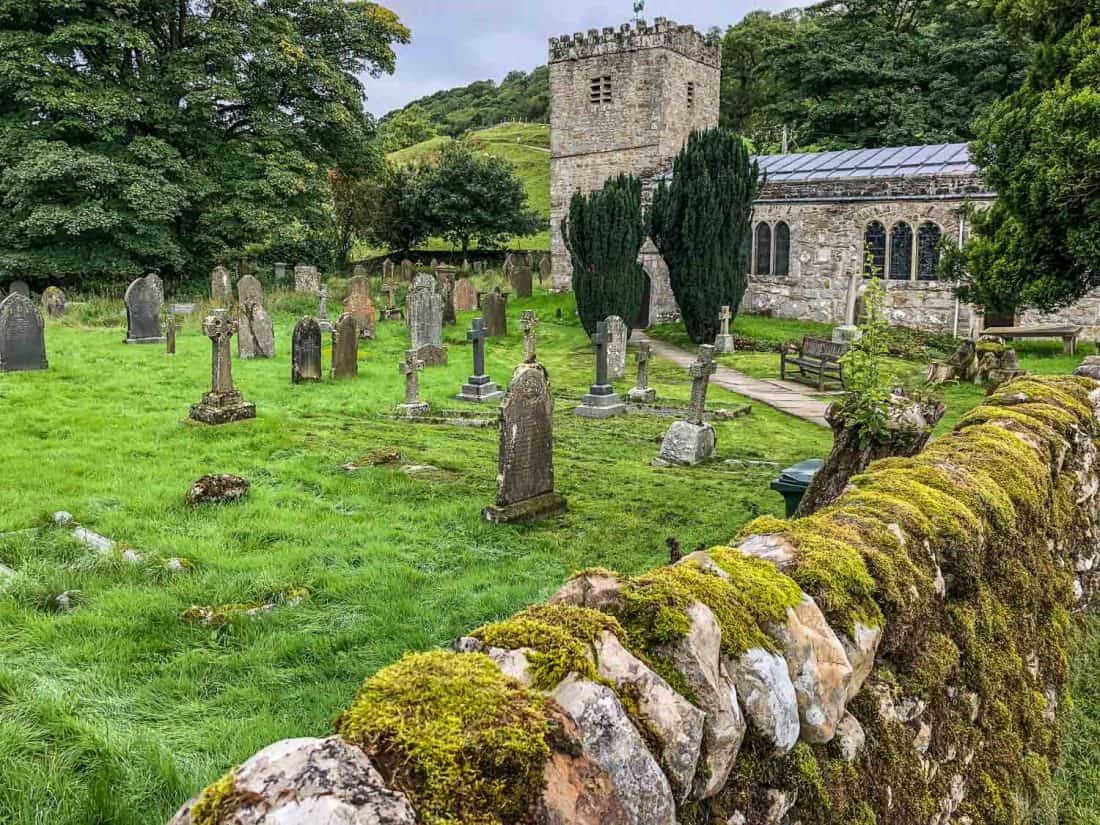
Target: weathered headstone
[[525, 474], [723, 342], [521, 281], [305, 352], [20, 288], [307, 279], [642, 392], [387, 271], [53, 302], [219, 285], [509, 266], [280, 271], [223, 403], [392, 311], [494, 309], [322, 310], [144, 298], [616, 347], [601, 401], [256, 335], [529, 323], [479, 388], [345, 347], [434, 264], [545, 268], [249, 291], [445, 279], [411, 368], [22, 335], [465, 264], [849, 331], [170, 334], [693, 441], [359, 305], [406, 270], [425, 320], [465, 295]]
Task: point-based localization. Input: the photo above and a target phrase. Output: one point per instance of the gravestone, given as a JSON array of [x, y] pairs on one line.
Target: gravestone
[[305, 352], [53, 302], [170, 334], [849, 331], [616, 347], [359, 305], [425, 321], [406, 270], [322, 310], [521, 281], [494, 309], [280, 271], [545, 268], [465, 295], [22, 335], [509, 265], [219, 285], [144, 298], [20, 288], [479, 388], [307, 279], [445, 279], [345, 347], [525, 470], [433, 265], [256, 334], [601, 401], [642, 392], [387, 271], [693, 441], [223, 403], [249, 291], [411, 368], [392, 311], [529, 323], [465, 264], [723, 342]]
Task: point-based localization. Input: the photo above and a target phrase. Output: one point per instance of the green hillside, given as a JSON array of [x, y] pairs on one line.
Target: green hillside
[[525, 145]]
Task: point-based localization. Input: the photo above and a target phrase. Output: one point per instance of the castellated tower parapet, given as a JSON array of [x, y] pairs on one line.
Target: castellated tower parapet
[[623, 101]]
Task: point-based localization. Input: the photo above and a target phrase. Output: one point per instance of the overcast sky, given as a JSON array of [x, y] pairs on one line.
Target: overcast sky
[[455, 42]]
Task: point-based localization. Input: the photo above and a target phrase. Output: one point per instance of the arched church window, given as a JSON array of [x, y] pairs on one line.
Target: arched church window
[[874, 249], [763, 249], [928, 251], [782, 250], [901, 252]]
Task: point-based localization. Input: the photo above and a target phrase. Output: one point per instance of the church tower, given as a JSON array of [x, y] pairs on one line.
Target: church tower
[[623, 101]]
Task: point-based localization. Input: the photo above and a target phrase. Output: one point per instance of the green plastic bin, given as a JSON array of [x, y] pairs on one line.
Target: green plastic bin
[[793, 481]]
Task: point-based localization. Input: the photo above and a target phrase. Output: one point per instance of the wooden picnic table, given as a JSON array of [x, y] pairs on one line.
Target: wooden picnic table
[[1068, 333]]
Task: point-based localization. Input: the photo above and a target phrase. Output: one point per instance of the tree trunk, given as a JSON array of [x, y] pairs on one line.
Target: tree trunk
[[910, 427]]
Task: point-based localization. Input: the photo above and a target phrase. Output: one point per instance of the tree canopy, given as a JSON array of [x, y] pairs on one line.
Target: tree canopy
[[137, 134]]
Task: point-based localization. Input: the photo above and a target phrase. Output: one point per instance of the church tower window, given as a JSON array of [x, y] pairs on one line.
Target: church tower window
[[599, 90]]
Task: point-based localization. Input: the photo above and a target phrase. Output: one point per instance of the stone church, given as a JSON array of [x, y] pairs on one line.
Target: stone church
[[625, 100]]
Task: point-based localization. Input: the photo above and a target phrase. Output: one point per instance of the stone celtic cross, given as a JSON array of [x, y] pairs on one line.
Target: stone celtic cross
[[701, 371], [600, 341], [220, 329], [410, 368], [643, 355], [477, 335], [528, 323]]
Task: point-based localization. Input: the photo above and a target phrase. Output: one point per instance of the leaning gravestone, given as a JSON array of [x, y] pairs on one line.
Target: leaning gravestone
[[642, 392], [465, 295], [521, 281], [224, 403], [425, 320], [494, 309], [249, 291], [144, 298], [345, 347], [525, 473], [219, 285], [693, 441], [256, 337], [22, 335], [307, 279], [53, 302], [616, 347], [358, 304], [20, 288], [445, 279], [387, 271], [305, 352]]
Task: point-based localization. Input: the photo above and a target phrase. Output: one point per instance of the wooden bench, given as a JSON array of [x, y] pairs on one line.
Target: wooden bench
[[1068, 334], [817, 361]]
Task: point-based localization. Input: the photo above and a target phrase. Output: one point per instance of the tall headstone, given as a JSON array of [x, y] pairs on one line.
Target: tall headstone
[[305, 352], [345, 347], [509, 267], [693, 441], [601, 401], [445, 280], [256, 333], [219, 285], [359, 305], [494, 309], [479, 388], [545, 268], [465, 295], [642, 392], [170, 334], [224, 403], [322, 310], [406, 270], [307, 279], [723, 342], [144, 298], [525, 471], [411, 368], [22, 335], [53, 302], [616, 347], [20, 288], [529, 323], [425, 320], [849, 331], [387, 271], [521, 281], [249, 291]]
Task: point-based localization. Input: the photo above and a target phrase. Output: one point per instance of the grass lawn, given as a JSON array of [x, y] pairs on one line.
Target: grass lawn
[[119, 710]]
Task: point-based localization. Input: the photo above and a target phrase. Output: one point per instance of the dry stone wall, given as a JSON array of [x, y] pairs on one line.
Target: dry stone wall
[[900, 657]]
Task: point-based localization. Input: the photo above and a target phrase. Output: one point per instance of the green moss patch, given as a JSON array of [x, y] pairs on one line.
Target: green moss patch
[[217, 802]]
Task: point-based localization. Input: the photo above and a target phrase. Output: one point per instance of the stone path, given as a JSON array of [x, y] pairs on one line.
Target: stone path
[[786, 396]]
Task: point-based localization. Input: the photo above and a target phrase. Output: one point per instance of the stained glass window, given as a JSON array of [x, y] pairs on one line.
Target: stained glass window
[[874, 252], [763, 249], [928, 251], [901, 252], [782, 250]]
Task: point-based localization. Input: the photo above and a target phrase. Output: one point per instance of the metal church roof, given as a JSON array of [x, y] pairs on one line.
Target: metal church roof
[[895, 162]]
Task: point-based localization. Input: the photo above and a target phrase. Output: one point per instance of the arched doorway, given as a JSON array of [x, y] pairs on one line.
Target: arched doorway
[[642, 321]]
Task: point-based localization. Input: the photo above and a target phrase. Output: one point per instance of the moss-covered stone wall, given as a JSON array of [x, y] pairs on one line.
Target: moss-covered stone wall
[[899, 657]]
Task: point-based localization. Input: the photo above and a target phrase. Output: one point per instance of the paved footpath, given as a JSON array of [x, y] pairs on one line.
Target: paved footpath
[[786, 396]]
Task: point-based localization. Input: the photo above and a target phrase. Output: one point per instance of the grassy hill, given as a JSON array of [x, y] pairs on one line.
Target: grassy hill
[[525, 145]]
